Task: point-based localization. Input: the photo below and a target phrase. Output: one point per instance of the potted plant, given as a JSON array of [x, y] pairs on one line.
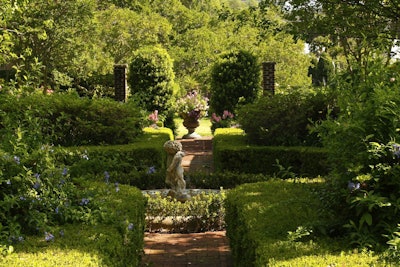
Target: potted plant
[[192, 107]]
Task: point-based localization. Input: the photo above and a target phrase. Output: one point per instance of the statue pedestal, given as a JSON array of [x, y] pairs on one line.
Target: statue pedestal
[[182, 197]]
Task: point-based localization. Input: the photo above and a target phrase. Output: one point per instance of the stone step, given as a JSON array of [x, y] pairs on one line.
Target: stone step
[[198, 156], [196, 145]]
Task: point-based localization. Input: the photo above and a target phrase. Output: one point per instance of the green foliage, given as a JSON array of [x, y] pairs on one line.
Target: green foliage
[[234, 153], [278, 223], [234, 80], [203, 212], [224, 179], [65, 119], [115, 240], [37, 194], [367, 32], [166, 133], [151, 79], [120, 41], [226, 120], [322, 71], [52, 34], [362, 150], [285, 120], [140, 164]]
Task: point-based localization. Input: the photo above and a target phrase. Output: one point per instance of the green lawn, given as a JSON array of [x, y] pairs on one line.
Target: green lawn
[[204, 129]]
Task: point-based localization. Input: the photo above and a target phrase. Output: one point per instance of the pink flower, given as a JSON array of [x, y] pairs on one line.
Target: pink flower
[[227, 114], [215, 118], [154, 116]]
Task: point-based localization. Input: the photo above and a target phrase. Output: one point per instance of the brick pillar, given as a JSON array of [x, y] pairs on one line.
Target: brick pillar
[[120, 83], [268, 77]]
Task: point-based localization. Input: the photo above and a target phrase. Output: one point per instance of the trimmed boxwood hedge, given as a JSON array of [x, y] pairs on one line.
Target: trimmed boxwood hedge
[[140, 164], [69, 120], [281, 223], [232, 153]]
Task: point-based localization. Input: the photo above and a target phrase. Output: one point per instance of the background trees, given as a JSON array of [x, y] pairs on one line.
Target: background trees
[[74, 44]]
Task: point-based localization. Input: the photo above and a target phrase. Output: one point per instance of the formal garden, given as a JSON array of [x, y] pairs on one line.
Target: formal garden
[[306, 153]]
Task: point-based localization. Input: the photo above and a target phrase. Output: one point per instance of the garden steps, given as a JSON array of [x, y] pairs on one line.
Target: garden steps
[[198, 155]]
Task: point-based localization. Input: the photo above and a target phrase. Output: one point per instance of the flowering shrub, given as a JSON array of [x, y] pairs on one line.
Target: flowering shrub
[[192, 105], [224, 121], [153, 117], [372, 196], [155, 120]]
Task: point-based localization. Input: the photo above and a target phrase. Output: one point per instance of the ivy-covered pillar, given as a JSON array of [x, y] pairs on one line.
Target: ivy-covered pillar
[[268, 69], [120, 82]]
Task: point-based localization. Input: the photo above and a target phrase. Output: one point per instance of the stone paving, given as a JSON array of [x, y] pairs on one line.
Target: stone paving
[[194, 249]]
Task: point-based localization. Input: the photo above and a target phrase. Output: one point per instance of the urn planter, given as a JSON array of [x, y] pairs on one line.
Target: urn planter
[[191, 124]]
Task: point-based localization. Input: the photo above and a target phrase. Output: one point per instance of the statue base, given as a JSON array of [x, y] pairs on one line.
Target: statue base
[[182, 197]]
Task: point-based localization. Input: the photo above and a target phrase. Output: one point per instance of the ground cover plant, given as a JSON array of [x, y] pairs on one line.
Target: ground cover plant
[[204, 211]]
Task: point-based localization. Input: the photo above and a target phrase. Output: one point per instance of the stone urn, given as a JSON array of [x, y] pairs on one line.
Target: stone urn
[[191, 124]]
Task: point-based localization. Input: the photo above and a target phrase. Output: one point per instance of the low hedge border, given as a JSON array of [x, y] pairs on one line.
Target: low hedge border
[[277, 223], [232, 153], [138, 164], [116, 241]]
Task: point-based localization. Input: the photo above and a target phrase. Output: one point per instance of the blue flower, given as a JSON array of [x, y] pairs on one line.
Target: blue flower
[[353, 186], [36, 185], [8, 182], [151, 170], [396, 150], [56, 210], [107, 177], [17, 159], [84, 202], [116, 187], [65, 171], [48, 236], [37, 175], [130, 226]]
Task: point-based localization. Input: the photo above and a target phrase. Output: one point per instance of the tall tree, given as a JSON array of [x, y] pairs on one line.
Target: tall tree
[[53, 33], [123, 31], [361, 28]]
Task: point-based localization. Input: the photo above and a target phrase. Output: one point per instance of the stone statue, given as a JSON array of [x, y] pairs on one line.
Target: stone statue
[[174, 177], [175, 173]]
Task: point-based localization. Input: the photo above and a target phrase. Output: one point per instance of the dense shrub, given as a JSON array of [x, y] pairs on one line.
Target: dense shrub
[[151, 80], [280, 223], [285, 120], [363, 150], [116, 239], [37, 194], [68, 120], [235, 78]]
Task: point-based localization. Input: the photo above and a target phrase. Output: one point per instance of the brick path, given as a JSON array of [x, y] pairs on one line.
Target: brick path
[[209, 249]]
